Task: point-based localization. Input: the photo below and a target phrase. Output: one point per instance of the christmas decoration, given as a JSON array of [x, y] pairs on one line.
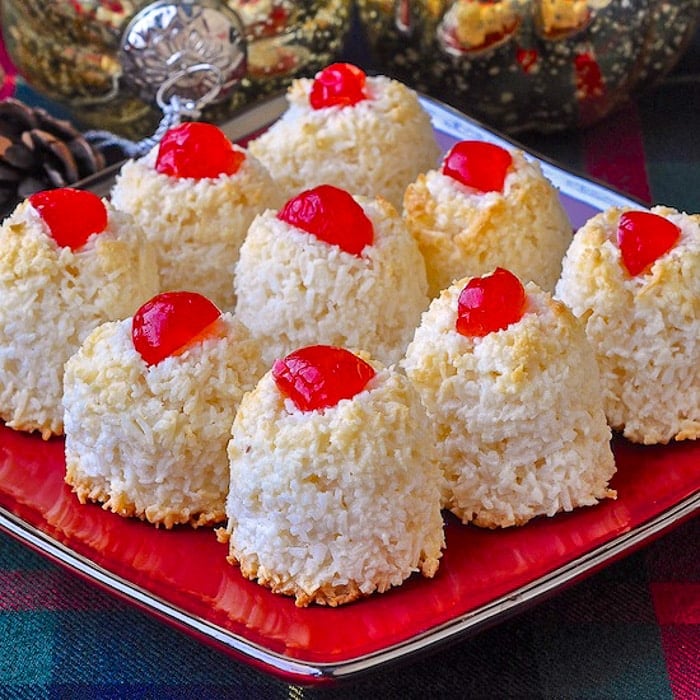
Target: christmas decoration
[[38, 152]]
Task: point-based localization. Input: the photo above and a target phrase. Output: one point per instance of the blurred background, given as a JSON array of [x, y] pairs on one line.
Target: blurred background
[[516, 65]]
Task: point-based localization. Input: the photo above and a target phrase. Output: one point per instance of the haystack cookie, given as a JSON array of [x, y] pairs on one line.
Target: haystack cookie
[[511, 384], [149, 404], [195, 195], [334, 491], [68, 262], [633, 277], [331, 268], [487, 206], [368, 135]]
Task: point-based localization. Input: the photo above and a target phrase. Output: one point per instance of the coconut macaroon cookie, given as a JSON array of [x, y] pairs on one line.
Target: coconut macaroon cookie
[[368, 135], [195, 195], [633, 277], [68, 262], [486, 207], [331, 268], [334, 491], [149, 403], [511, 384]]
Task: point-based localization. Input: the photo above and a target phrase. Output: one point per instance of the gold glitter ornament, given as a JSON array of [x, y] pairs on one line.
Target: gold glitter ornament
[[523, 65]]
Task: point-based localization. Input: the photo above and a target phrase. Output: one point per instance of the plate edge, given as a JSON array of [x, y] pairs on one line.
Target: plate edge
[[291, 669]]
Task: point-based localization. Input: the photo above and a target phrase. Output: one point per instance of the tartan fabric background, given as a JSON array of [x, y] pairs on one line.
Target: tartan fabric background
[[629, 631]]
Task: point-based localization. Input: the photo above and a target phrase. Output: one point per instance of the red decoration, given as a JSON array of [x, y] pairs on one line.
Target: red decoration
[[338, 85], [490, 303], [197, 150], [169, 322], [319, 376], [643, 238], [478, 164], [71, 215], [332, 215]]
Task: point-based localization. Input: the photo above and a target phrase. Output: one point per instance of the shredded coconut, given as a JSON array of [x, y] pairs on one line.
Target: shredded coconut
[[462, 232], [334, 504], [151, 441], [375, 147], [197, 226], [520, 428], [294, 289], [644, 329], [52, 298]]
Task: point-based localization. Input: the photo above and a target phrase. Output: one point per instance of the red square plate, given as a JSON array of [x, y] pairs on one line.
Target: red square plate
[[182, 576]]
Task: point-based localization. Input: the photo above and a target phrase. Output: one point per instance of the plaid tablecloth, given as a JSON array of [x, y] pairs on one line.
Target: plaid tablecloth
[[629, 631]]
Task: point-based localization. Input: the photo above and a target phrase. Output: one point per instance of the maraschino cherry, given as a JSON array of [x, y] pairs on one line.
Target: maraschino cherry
[[643, 238], [169, 323], [197, 150], [332, 215], [71, 215], [478, 164], [490, 303], [338, 85], [319, 376]]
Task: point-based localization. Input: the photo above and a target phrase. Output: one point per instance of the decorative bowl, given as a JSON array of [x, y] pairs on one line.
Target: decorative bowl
[[69, 51]]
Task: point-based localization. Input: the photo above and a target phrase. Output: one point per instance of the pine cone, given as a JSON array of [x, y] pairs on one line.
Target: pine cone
[[39, 152]]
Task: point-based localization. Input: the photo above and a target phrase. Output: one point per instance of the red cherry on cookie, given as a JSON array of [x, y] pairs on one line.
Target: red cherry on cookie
[[338, 85], [71, 215], [478, 164], [644, 237], [169, 322], [197, 150], [319, 376], [332, 215], [490, 303]]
